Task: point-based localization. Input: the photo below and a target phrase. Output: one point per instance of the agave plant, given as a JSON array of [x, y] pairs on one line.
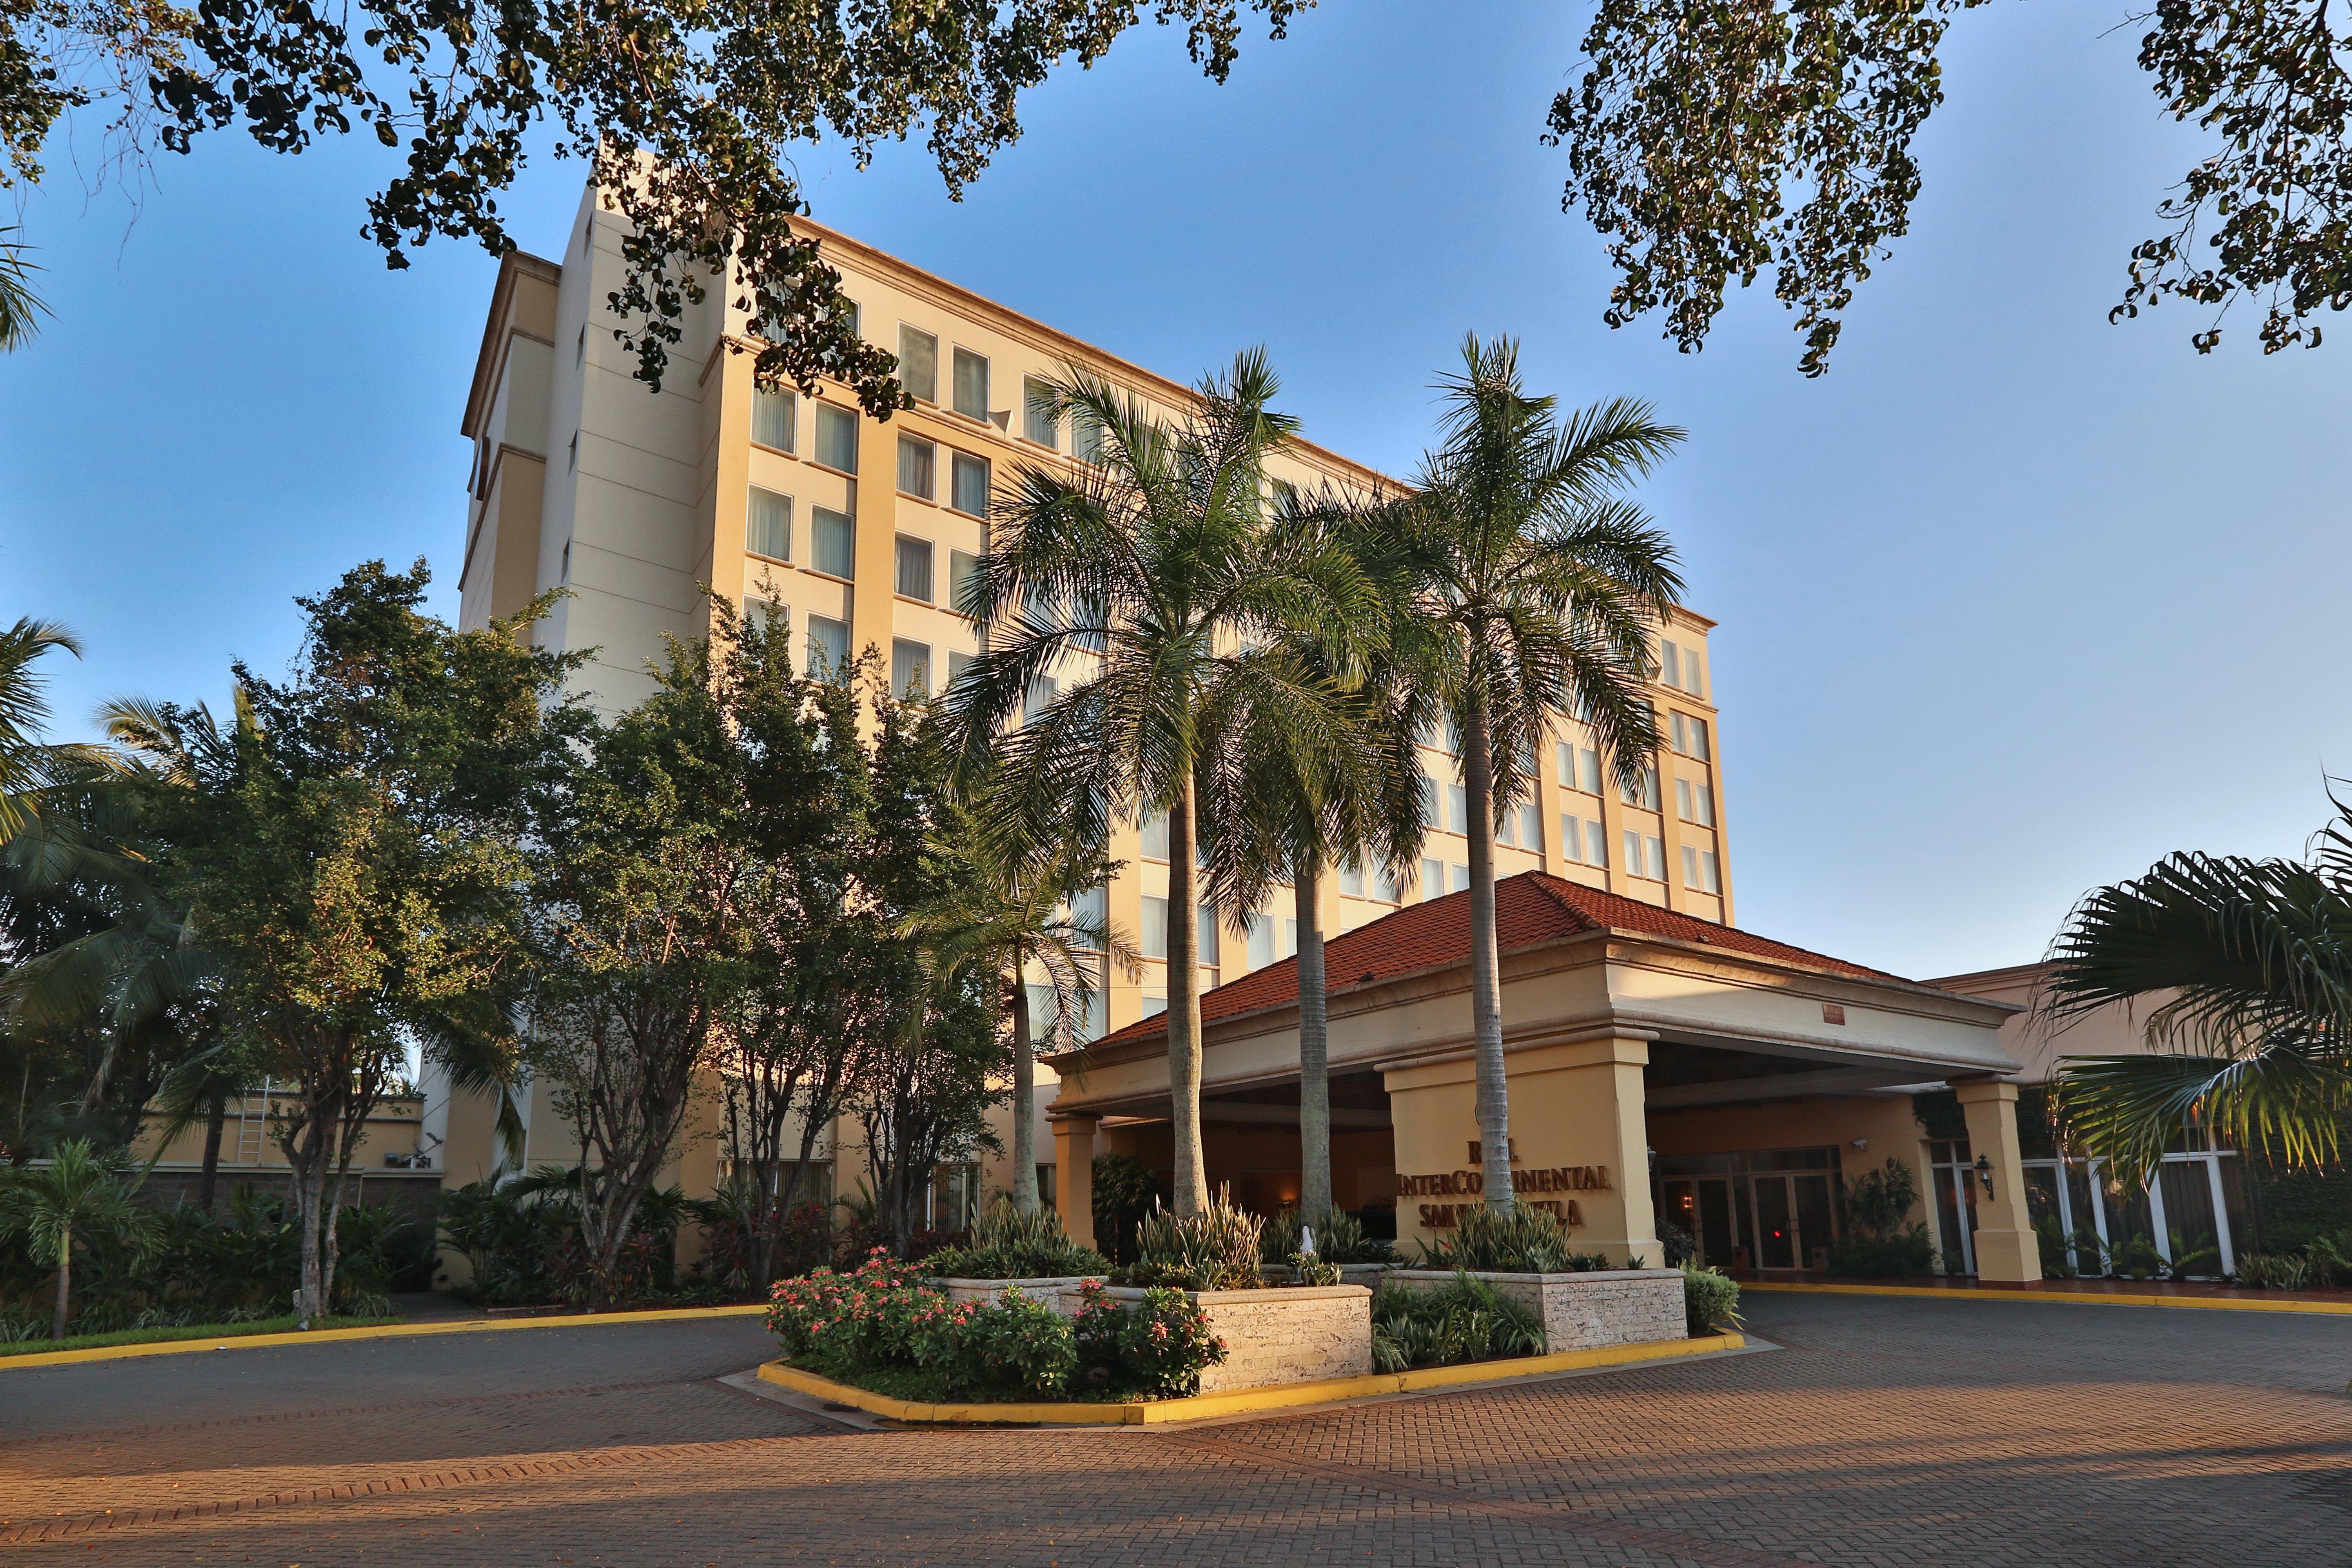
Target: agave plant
[[1215, 1248]]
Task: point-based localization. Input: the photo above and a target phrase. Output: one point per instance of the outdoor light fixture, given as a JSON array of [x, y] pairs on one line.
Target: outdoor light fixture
[[1984, 1173], [1862, 1144]]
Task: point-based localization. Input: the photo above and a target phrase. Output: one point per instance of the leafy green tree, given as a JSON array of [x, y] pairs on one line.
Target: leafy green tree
[[353, 859], [686, 116], [1137, 580], [1311, 767], [2243, 966], [1014, 915], [81, 1193], [1706, 145], [1523, 581]]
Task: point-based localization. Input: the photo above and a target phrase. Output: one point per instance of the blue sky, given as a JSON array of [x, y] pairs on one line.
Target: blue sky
[[2012, 602]]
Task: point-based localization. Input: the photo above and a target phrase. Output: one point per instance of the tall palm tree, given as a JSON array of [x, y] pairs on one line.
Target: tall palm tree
[[28, 766], [80, 1191], [1014, 916], [2249, 966], [1528, 582], [1136, 577], [20, 308], [1309, 768]]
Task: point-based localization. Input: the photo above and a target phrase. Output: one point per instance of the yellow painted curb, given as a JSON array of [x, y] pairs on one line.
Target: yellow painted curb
[[1241, 1401], [383, 1332], [2071, 1298]]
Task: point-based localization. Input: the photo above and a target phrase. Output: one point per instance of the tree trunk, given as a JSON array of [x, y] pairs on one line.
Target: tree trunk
[[311, 1188], [65, 1283], [215, 1121], [1486, 969], [1313, 1047], [1025, 1100], [1184, 1004]]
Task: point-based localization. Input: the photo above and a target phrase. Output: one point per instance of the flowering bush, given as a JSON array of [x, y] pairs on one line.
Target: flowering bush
[[850, 1322], [1158, 1350], [1012, 1348]]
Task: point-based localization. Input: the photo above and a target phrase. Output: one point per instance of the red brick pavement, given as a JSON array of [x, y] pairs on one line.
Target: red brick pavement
[[1892, 1433]]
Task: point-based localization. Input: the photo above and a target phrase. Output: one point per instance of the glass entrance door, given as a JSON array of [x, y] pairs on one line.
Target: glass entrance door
[[1792, 1219], [1953, 1168], [1702, 1206]]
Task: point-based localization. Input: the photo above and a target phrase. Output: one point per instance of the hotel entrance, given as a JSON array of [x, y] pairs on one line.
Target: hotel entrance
[[1763, 1211]]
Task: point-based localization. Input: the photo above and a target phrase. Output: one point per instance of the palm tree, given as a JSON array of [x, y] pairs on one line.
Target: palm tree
[[28, 766], [79, 1191], [1309, 768], [1014, 915], [2249, 962], [1139, 574], [1527, 581], [20, 308]]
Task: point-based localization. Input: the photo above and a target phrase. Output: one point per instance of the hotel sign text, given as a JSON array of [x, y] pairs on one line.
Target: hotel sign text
[[1473, 1183]]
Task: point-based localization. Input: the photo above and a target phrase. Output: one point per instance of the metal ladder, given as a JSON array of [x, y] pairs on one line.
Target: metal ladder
[[252, 1124]]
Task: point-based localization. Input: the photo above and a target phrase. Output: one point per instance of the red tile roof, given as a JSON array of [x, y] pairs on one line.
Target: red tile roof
[[1531, 909]]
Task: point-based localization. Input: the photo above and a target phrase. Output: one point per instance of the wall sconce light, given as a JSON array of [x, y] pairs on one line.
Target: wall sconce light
[[1984, 1173], [1863, 1144]]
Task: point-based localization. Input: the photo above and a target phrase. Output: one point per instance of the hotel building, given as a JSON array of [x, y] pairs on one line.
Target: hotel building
[[1659, 1055]]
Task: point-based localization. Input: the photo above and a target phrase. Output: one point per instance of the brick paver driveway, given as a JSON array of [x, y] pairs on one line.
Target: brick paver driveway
[[1888, 1432]]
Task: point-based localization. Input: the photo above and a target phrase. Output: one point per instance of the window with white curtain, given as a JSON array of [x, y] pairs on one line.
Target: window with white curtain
[[1260, 929], [828, 647], [967, 493], [775, 417], [836, 436], [918, 363], [1037, 423], [970, 384], [917, 468], [833, 541], [914, 565], [768, 525], [910, 668], [1633, 865], [1596, 843], [1153, 940]]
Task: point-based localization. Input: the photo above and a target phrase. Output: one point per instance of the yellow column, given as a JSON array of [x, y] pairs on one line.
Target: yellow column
[[2005, 1244], [1073, 1175]]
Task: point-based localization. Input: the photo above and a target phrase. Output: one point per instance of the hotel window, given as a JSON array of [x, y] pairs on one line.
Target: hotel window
[[1155, 928], [910, 668], [1091, 910], [918, 364], [1205, 948], [1154, 1005], [1351, 882], [963, 572], [1633, 866], [970, 493], [1433, 878], [1695, 802], [1645, 793], [1386, 887], [1531, 826], [1654, 854], [1457, 808], [1588, 770], [1572, 838], [970, 384], [1038, 414], [1596, 844], [1690, 736], [833, 541], [1261, 941], [837, 437], [775, 419], [957, 664], [1155, 836], [1037, 698], [1429, 816], [1670, 664], [1461, 878], [828, 647], [915, 568], [1289, 938], [917, 468], [768, 616], [1702, 872], [1085, 439], [768, 525]]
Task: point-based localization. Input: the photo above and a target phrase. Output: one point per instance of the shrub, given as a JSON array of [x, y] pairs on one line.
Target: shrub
[[1013, 1348], [1521, 1239], [2273, 1271], [1009, 1244], [1339, 1238], [853, 1322], [1679, 1245], [1877, 1243], [1124, 1193], [1709, 1298], [1215, 1250], [1463, 1320], [1158, 1350]]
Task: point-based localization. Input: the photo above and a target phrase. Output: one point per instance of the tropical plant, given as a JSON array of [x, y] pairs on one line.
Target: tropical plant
[[1879, 1237], [30, 765], [1710, 1299], [1139, 579], [1523, 581], [1017, 914], [1012, 1348], [20, 308], [1463, 1319], [1124, 1192], [1007, 1244], [2243, 967], [1215, 1247], [1155, 1350], [80, 1195], [1516, 1240], [1308, 766]]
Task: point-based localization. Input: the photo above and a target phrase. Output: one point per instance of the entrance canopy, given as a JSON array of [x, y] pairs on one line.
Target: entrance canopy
[[1612, 1009]]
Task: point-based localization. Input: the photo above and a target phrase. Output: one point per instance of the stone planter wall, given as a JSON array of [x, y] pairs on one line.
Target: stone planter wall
[[1299, 1334], [1060, 1293], [1586, 1311]]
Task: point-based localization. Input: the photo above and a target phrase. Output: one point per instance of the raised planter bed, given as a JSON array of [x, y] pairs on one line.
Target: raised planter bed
[[1060, 1292], [1300, 1333], [1584, 1311]]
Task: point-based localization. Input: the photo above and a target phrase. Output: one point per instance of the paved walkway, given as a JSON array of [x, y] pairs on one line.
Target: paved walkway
[[1894, 1432]]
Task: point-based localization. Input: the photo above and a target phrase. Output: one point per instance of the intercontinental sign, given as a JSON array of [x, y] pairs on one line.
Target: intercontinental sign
[[1472, 1184]]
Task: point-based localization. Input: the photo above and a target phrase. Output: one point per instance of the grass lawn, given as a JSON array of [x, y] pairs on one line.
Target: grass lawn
[[192, 1331]]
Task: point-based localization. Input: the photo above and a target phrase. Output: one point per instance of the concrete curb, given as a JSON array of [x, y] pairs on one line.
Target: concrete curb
[[2070, 1298], [1240, 1401], [385, 1332]]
